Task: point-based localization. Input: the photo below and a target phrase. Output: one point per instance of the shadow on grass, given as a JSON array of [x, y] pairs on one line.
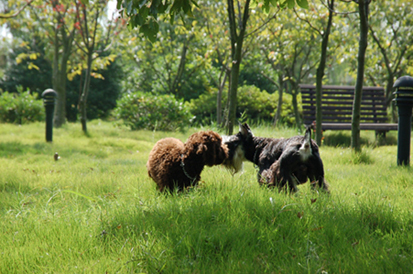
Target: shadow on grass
[[15, 149], [264, 236], [343, 139], [12, 149]]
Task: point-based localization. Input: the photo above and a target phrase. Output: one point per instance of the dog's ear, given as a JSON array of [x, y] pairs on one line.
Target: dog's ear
[[201, 148], [246, 131], [307, 135]]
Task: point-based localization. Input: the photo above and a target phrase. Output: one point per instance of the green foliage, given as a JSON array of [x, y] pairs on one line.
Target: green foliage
[[103, 93], [144, 15], [153, 112], [257, 105], [157, 66], [37, 78], [284, 4], [21, 107], [102, 97], [250, 75]]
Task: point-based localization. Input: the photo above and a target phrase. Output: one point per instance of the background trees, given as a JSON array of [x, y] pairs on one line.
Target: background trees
[[145, 16], [390, 50], [92, 44], [194, 57]]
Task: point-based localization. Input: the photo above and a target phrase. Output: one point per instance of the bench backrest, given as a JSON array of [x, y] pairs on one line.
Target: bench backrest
[[337, 104]]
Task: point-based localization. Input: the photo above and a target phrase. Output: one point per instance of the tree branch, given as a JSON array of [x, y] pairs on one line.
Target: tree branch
[[8, 16]]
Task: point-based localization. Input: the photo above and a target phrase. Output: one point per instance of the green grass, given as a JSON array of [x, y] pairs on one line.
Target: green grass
[[96, 210]]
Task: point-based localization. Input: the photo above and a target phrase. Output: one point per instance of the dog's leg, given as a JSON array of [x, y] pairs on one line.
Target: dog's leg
[[287, 160], [317, 173], [267, 177]]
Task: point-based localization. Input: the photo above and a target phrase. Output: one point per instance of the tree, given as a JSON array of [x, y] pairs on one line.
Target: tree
[[363, 8], [238, 25], [172, 64], [7, 14], [389, 24], [60, 32], [92, 43], [52, 19], [145, 17], [47, 34], [324, 32], [237, 34], [289, 48], [103, 93], [218, 50], [270, 52]]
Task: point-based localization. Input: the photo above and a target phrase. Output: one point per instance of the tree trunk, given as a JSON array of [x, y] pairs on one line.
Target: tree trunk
[[389, 96], [219, 107], [85, 93], [358, 90], [175, 87], [232, 108], [60, 60], [62, 50], [59, 85], [219, 97], [294, 93], [391, 69], [280, 99], [236, 56], [320, 73]]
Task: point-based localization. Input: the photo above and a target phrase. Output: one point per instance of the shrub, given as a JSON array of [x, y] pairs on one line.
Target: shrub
[[21, 107], [147, 111], [258, 105]]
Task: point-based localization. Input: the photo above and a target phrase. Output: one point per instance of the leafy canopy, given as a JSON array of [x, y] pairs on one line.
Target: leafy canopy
[[144, 13]]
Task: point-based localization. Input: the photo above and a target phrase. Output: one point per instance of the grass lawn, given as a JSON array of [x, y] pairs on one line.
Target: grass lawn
[[95, 210]]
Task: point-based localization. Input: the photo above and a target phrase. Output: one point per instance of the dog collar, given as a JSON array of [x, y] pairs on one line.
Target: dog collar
[[183, 169]]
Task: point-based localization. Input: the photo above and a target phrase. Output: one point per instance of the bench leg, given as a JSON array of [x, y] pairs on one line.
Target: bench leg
[[380, 134]]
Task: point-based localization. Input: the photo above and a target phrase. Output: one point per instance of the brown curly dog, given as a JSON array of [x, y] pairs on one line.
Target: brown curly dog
[[173, 164]]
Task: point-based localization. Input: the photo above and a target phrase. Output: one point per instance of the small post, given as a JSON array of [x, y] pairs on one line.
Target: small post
[[404, 102], [49, 96]]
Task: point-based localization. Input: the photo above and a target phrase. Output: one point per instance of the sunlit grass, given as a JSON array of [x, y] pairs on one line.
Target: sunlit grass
[[95, 210]]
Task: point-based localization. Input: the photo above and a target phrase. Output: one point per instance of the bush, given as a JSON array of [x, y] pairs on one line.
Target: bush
[[147, 111], [259, 106], [20, 107]]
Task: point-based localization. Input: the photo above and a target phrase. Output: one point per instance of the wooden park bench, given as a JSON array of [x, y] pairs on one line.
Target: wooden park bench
[[337, 106]]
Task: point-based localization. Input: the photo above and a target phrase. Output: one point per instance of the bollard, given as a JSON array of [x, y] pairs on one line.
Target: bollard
[[404, 102], [49, 96]]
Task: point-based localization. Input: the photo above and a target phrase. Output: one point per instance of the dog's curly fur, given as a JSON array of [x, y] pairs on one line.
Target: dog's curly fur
[[173, 164], [279, 161]]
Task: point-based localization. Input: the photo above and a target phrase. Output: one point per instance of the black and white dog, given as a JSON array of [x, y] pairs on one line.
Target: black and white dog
[[281, 162]]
